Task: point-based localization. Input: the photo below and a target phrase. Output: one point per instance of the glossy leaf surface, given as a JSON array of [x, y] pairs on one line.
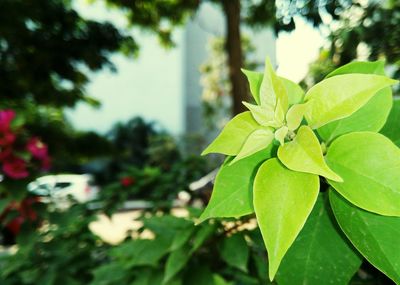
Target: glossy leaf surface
[[375, 236], [372, 116], [340, 96], [256, 141], [321, 254], [283, 199], [369, 164], [232, 195], [233, 135], [392, 126], [304, 154], [293, 90]]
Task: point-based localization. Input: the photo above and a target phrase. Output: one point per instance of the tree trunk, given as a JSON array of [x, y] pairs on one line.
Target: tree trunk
[[235, 55]]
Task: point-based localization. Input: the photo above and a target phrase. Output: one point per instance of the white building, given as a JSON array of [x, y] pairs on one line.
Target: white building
[[160, 85]]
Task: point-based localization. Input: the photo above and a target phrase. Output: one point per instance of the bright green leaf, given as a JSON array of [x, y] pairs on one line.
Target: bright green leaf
[[363, 67], [392, 126], [293, 90], [320, 253], [304, 154], [258, 140], [264, 115], [369, 164], [283, 199], [340, 96], [295, 115], [280, 134], [272, 89], [233, 136], [372, 116], [235, 252], [232, 195], [376, 237], [255, 79]]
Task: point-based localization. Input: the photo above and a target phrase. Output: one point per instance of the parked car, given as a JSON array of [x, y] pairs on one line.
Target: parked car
[[61, 188]]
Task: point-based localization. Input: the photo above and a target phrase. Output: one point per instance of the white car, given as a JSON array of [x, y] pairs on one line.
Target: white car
[[61, 187]]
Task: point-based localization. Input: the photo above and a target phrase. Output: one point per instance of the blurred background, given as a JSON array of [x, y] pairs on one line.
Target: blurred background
[[105, 107]]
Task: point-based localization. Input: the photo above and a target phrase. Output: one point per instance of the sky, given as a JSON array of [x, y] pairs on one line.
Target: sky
[[150, 85]]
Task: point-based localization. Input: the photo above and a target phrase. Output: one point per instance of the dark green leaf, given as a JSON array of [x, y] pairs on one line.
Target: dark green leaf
[[375, 236], [321, 254], [235, 252], [392, 126]]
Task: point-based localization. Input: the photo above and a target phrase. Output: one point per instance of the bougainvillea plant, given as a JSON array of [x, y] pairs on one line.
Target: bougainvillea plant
[[297, 157], [19, 151]]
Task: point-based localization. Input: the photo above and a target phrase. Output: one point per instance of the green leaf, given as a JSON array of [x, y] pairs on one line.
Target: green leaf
[[257, 141], [175, 263], [235, 252], [280, 134], [376, 237], [272, 89], [392, 126], [320, 253], [204, 232], [199, 275], [372, 116], [142, 252], [340, 96], [255, 79], [283, 199], [233, 136], [369, 164], [232, 195], [294, 91], [218, 280], [182, 237], [363, 67], [304, 154], [295, 115], [263, 115]]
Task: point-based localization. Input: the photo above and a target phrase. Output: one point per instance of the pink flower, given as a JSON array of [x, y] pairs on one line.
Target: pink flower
[[15, 168], [127, 181], [6, 116], [7, 138], [37, 148], [46, 164], [5, 153]]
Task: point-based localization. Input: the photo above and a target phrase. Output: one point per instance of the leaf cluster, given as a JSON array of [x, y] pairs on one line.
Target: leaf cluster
[[181, 253], [288, 148]]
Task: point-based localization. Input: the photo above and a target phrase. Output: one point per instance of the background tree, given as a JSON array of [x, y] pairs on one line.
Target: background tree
[[46, 51], [161, 17]]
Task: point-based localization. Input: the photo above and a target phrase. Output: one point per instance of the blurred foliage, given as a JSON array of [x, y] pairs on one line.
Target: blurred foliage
[[153, 183], [181, 253], [216, 100], [374, 24], [367, 30], [63, 251], [147, 164], [46, 52], [161, 16], [45, 47]]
